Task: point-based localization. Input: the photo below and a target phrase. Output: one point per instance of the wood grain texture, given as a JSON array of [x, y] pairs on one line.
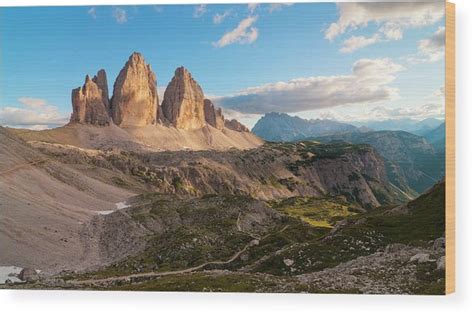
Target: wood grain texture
[[450, 146]]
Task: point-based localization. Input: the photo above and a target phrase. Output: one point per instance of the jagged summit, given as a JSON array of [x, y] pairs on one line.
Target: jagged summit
[[135, 98], [235, 125], [135, 102], [183, 101], [213, 115], [88, 103], [185, 119], [101, 80]]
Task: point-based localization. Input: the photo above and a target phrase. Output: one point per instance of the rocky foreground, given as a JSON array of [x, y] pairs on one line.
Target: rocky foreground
[[300, 217], [220, 243]]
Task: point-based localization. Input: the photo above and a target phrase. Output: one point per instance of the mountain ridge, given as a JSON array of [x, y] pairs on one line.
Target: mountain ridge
[[283, 127]]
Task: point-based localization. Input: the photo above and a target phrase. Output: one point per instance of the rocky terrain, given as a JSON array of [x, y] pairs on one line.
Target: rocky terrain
[[45, 204], [137, 195], [413, 164], [133, 118], [237, 243], [271, 171], [283, 217]]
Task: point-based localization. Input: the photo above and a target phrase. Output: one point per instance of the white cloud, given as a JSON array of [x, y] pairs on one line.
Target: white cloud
[[393, 18], [92, 12], [199, 10], [244, 33], [252, 7], [357, 42], [277, 6], [36, 113], [418, 113], [368, 83], [430, 49], [247, 119], [219, 18], [120, 15], [32, 102]]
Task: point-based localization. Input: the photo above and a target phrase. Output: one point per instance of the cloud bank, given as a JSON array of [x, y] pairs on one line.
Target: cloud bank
[[368, 83], [418, 113], [393, 19], [35, 113]]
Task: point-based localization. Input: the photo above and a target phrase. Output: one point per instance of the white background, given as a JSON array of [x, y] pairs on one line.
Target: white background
[[462, 301]]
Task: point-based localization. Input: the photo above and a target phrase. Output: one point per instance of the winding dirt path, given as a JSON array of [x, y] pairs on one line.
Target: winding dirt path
[[175, 272], [21, 166]]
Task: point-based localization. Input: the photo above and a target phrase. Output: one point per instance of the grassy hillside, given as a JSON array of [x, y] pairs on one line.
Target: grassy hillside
[[295, 241]]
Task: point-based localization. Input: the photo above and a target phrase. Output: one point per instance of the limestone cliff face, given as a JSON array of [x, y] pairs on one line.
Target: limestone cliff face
[[235, 125], [213, 116], [135, 102], [89, 104], [135, 98], [101, 80], [183, 102]]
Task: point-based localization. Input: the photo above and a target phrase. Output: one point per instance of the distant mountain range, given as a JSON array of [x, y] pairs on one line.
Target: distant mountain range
[[437, 137], [409, 125], [413, 162], [283, 127]]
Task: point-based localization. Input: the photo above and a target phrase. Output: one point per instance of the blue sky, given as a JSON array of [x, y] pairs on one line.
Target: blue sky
[[296, 58]]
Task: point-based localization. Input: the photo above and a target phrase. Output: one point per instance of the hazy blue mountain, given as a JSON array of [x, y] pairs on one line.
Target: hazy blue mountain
[[283, 127], [408, 125], [437, 138], [436, 135]]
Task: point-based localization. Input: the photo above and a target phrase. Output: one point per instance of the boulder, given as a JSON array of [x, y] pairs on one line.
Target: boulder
[[89, 105], [394, 247], [28, 275], [288, 262], [183, 101], [421, 258], [441, 263], [135, 97]]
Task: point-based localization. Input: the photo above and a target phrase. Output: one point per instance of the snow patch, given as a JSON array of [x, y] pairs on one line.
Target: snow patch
[[105, 212], [9, 272], [119, 205], [122, 205]]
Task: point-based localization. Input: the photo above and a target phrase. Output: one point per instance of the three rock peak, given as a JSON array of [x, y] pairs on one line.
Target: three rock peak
[[135, 100]]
